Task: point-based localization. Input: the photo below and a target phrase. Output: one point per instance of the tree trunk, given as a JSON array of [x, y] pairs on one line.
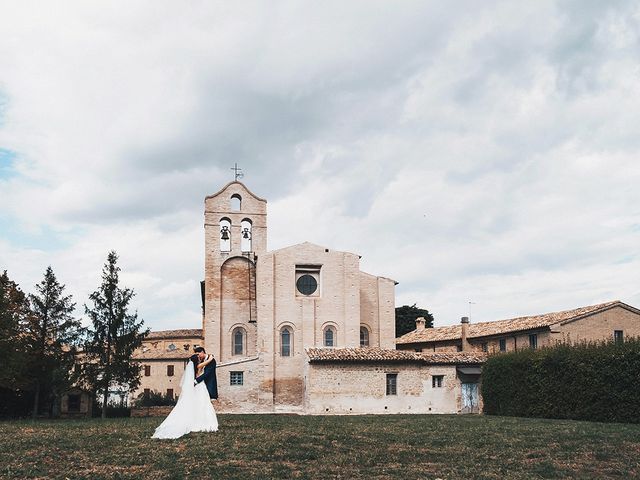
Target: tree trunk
[[104, 401], [36, 401]]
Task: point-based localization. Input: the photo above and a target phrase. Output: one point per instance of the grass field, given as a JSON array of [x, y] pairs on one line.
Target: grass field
[[284, 446]]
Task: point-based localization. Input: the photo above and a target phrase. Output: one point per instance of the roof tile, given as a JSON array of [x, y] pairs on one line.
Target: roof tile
[[372, 354], [485, 329], [168, 334]]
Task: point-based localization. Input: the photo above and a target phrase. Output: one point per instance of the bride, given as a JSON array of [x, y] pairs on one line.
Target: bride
[[193, 412]]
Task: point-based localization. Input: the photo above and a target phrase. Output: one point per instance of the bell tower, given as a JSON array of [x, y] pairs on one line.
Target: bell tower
[[235, 232]]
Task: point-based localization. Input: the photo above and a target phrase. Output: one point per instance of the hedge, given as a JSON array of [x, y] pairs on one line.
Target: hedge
[[591, 381]]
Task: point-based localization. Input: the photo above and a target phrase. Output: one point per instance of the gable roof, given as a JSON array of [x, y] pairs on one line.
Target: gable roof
[[177, 354], [302, 244], [374, 354], [239, 183], [486, 329]]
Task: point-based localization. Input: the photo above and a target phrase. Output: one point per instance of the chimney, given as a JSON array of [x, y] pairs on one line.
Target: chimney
[[420, 324], [465, 330]]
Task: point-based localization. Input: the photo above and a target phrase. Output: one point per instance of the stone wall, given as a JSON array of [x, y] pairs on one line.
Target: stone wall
[[355, 388], [151, 411], [243, 398]]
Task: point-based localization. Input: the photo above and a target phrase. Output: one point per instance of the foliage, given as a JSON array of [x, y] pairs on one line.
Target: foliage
[[50, 335], [15, 403], [154, 399], [115, 409], [14, 309], [591, 381], [324, 447], [406, 318], [114, 335]]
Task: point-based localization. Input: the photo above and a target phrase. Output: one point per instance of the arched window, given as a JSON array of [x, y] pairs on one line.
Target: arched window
[[225, 235], [286, 337], [237, 338], [245, 235], [364, 337], [236, 202], [330, 337]]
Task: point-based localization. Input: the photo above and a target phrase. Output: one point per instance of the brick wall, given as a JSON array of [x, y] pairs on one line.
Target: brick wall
[[344, 388]]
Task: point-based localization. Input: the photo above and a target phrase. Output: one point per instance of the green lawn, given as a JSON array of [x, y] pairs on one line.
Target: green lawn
[[286, 446]]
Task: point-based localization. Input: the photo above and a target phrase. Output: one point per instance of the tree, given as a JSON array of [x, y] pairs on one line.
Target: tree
[[406, 318], [13, 310], [13, 372], [114, 335], [50, 336]]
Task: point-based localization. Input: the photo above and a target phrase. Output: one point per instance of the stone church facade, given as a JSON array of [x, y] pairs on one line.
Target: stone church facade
[[264, 308]]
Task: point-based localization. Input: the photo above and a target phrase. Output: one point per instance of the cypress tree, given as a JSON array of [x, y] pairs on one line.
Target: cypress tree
[[51, 334], [113, 336]]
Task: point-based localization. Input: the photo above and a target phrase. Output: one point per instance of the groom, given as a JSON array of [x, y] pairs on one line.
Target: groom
[[209, 374]]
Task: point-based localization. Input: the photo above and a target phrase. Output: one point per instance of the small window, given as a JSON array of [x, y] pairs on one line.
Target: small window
[[170, 393], [436, 381], [171, 347], [169, 370], [503, 344], [329, 337], [533, 341], [392, 383], [238, 341], [236, 202], [236, 378], [307, 285], [618, 336], [285, 342], [74, 403], [364, 337], [485, 347], [147, 370], [147, 392]]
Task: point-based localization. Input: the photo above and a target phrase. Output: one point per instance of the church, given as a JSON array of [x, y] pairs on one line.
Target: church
[[301, 329]]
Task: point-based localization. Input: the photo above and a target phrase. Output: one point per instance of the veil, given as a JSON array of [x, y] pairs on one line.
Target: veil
[[186, 384], [181, 419]]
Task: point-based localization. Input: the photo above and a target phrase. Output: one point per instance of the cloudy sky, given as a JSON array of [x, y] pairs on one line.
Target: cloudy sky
[[483, 152]]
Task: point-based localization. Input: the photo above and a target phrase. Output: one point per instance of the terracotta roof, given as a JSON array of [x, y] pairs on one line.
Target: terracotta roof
[[485, 329], [388, 355], [168, 334], [156, 355]]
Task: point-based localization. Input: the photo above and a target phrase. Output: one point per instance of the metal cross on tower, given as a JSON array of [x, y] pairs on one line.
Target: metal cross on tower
[[237, 171]]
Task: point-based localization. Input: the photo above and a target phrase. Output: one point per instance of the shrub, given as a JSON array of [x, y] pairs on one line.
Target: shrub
[[154, 399], [590, 381]]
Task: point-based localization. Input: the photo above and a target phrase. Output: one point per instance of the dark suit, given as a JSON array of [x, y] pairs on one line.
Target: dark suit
[[209, 378]]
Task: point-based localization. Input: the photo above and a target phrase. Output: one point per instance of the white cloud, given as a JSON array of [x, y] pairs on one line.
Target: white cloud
[[478, 153]]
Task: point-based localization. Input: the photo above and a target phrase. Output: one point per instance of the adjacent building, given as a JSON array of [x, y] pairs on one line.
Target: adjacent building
[[602, 322], [163, 357]]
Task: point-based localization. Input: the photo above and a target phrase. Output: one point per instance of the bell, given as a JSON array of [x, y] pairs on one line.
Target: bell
[[225, 233], [245, 233]]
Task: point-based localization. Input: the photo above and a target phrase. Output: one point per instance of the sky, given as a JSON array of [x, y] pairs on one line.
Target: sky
[[485, 155]]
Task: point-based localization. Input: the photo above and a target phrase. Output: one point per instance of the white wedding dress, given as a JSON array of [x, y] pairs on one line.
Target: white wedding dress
[[192, 413]]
